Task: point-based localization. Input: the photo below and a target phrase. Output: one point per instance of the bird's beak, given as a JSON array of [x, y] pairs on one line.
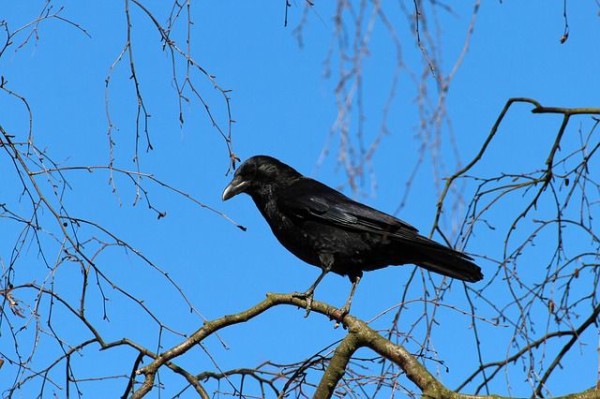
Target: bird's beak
[[236, 186]]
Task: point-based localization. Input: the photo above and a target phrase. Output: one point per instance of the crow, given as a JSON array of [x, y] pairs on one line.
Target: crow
[[325, 228]]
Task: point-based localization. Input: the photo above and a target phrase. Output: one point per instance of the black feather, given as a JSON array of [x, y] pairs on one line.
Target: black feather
[[321, 225]]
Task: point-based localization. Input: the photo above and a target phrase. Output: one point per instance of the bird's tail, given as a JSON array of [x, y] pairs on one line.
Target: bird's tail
[[448, 262]]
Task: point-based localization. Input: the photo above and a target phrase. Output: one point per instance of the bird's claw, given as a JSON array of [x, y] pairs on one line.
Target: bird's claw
[[308, 297], [301, 295]]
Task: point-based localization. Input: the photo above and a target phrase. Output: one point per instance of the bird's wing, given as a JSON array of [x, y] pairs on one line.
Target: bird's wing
[[310, 199]]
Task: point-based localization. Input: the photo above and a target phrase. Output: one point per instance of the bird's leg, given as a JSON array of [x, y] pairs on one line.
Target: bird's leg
[[309, 293], [344, 310], [327, 260]]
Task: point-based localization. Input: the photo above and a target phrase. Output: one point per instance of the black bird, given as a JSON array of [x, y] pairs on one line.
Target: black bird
[[325, 228]]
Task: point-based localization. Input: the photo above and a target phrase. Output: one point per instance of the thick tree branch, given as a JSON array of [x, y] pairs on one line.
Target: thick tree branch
[[360, 335], [337, 366], [213, 326]]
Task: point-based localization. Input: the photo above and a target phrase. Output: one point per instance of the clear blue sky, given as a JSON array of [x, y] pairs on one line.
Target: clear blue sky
[[283, 105]]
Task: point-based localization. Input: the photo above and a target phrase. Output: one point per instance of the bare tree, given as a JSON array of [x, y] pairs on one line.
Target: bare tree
[[63, 268]]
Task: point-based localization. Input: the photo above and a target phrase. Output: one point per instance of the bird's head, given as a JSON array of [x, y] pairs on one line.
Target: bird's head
[[258, 176]]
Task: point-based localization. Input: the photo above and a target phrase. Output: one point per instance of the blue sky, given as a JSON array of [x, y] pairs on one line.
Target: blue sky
[[283, 105]]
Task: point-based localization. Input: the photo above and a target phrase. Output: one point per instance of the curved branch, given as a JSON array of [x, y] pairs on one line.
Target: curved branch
[[360, 335], [588, 322], [538, 109]]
